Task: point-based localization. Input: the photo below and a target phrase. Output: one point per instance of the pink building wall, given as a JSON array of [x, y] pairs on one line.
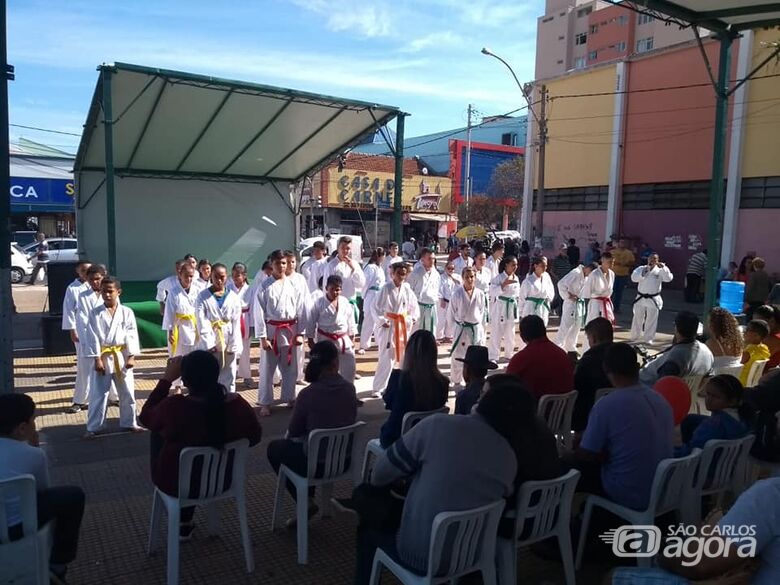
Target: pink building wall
[[757, 232], [583, 226]]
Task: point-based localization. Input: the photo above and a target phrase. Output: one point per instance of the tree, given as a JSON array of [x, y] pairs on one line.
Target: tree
[[482, 211], [506, 182]]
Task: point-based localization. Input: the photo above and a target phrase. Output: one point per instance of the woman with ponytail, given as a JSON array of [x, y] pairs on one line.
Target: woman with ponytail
[[206, 416]]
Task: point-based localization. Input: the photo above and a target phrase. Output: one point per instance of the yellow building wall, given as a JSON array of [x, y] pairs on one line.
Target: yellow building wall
[[761, 154], [580, 129]]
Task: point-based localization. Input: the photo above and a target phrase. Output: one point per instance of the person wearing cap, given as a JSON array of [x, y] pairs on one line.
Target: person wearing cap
[[476, 364]]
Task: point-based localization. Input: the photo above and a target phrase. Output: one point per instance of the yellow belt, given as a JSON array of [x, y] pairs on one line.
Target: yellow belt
[[217, 327], [177, 323], [114, 350]]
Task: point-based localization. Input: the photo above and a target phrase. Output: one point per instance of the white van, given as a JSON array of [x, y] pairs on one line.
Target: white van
[[21, 267]]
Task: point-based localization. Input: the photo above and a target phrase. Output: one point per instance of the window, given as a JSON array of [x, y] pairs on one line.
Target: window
[[575, 199], [559, 61], [644, 19], [70, 245], [594, 28], [579, 63], [622, 20], [560, 38], [548, 19], [509, 139], [584, 11], [593, 55], [760, 192], [581, 39], [644, 45], [694, 195], [55, 245], [621, 47]]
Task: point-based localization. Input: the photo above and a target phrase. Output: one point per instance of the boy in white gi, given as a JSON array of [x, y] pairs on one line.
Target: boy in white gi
[[648, 302], [241, 288], [166, 284], [426, 284], [303, 288], [483, 276], [69, 312], [279, 311], [352, 277], [312, 270], [504, 292], [179, 319], [375, 280], [219, 324], [575, 306], [496, 254], [396, 311], [393, 257], [598, 290], [449, 283], [464, 260], [537, 291], [468, 311], [332, 318], [112, 343]]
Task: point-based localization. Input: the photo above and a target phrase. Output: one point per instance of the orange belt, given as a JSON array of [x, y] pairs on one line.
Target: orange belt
[[335, 338], [606, 305], [283, 326], [399, 333]]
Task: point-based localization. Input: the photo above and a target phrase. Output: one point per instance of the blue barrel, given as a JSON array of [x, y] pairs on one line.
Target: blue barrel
[[732, 296]]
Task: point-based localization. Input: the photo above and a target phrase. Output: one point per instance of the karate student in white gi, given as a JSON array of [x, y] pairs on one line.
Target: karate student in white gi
[[537, 291], [332, 318], [241, 288], [166, 284], [496, 254], [426, 284], [303, 287], [393, 257], [203, 279], [112, 344], [375, 280], [396, 311], [648, 302], [279, 311], [219, 322], [348, 268], [449, 283], [574, 308], [483, 276], [468, 311], [598, 290], [312, 270], [504, 292], [464, 260], [179, 319], [69, 312]]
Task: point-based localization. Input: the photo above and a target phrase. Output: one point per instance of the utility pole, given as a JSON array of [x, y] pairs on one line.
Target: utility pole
[[542, 123], [468, 162], [399, 177], [6, 299]]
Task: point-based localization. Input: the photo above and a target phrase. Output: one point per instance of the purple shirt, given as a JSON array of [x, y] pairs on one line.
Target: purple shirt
[[633, 426], [328, 403]]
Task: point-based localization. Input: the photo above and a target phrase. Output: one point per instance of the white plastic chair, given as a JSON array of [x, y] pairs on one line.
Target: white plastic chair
[[730, 370], [332, 457], [755, 373], [461, 543], [693, 383], [557, 410], [25, 560], [374, 447], [602, 392], [544, 506], [672, 478], [220, 475]]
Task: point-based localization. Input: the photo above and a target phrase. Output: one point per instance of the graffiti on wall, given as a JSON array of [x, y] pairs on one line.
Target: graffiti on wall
[[581, 232], [694, 242], [673, 242]]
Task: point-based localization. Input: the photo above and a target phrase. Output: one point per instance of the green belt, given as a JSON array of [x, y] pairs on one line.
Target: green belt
[[539, 303], [429, 308], [507, 302], [354, 304], [583, 305], [463, 326], [375, 288]]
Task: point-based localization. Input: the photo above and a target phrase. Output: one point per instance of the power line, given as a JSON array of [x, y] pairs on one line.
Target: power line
[[45, 130]]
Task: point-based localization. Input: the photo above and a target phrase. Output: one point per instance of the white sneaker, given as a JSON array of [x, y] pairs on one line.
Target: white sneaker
[[376, 395]]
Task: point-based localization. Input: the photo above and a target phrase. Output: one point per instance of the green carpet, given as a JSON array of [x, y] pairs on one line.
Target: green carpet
[[139, 296]]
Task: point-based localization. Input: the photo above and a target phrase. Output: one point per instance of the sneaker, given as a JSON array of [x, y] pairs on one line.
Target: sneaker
[[113, 403], [376, 395], [358, 376], [361, 351], [292, 523], [74, 408]]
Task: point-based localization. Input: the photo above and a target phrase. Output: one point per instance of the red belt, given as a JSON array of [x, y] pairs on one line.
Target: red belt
[[283, 326], [606, 304], [243, 323], [335, 337]]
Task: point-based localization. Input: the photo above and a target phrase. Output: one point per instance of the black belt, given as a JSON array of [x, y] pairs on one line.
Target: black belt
[[640, 296]]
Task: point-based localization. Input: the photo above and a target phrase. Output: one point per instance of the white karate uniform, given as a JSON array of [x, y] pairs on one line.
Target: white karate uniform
[[115, 338], [213, 319], [392, 300], [648, 302], [426, 285], [303, 288], [469, 315], [165, 285], [598, 290], [180, 315], [375, 280], [460, 264], [388, 262], [540, 288], [492, 265], [279, 311], [446, 325], [573, 311], [245, 359], [335, 322], [86, 302], [200, 283], [503, 314], [312, 271], [353, 281], [69, 315], [482, 282]]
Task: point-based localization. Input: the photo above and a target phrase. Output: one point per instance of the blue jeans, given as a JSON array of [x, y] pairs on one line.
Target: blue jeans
[[617, 293]]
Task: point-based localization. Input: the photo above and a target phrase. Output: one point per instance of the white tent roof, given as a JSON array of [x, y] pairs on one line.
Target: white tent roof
[[714, 15], [174, 124]]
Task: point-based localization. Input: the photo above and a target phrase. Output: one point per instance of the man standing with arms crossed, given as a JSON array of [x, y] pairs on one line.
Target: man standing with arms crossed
[[648, 302]]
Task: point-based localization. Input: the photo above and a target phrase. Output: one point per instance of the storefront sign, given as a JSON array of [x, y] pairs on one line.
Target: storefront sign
[[367, 190], [42, 193]]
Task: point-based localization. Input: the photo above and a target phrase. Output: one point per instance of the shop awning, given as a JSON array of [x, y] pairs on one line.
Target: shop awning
[[431, 217]]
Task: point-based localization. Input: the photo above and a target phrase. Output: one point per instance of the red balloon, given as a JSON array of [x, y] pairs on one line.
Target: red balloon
[[677, 394]]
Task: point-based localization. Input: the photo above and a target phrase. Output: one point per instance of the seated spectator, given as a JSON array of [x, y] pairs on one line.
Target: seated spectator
[[475, 367], [542, 366], [764, 400], [755, 348], [328, 402], [771, 314], [20, 454], [728, 419], [629, 432], [725, 339], [589, 375], [207, 416], [774, 295], [418, 385], [687, 356]]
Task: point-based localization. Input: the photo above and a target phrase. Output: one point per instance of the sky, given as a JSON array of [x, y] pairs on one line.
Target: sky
[[420, 55]]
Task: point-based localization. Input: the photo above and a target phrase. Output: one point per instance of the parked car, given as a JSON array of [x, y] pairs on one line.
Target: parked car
[[21, 267], [23, 238], [60, 250]]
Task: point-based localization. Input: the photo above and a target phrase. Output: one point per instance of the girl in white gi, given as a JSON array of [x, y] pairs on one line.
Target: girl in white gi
[[449, 283], [396, 311], [203, 280], [69, 312], [468, 311], [537, 291], [375, 280], [112, 343], [426, 284], [219, 323], [332, 318], [279, 311], [303, 288], [393, 257], [352, 277], [598, 290], [574, 306], [648, 302], [497, 253], [504, 292], [483, 276], [240, 287], [179, 319]]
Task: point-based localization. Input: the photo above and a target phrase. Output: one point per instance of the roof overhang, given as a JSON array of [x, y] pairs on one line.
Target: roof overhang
[[715, 15], [182, 125]]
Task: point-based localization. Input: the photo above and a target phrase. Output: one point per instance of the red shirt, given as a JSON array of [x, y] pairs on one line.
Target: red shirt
[[543, 367]]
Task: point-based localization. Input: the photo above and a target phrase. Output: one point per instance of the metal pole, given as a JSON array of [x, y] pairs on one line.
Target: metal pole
[[717, 187], [542, 145], [376, 220], [6, 298], [108, 123], [468, 164], [399, 176]]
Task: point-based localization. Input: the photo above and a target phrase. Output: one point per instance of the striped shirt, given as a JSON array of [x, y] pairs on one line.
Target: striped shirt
[[697, 264]]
